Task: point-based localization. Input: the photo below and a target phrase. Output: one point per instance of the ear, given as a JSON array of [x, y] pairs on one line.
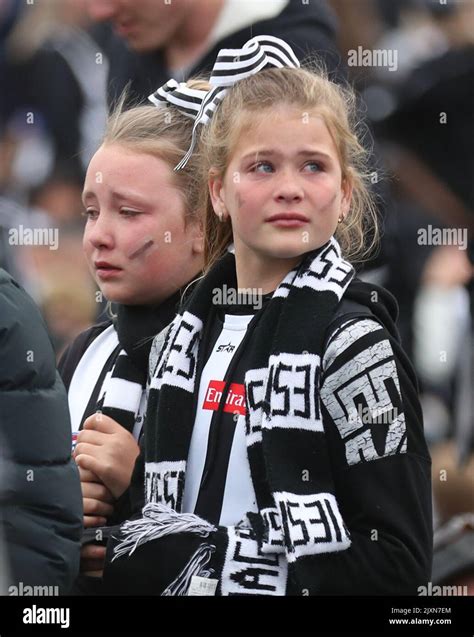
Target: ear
[[215, 184], [347, 187]]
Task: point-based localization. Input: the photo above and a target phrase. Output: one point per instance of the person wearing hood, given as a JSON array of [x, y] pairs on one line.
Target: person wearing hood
[[283, 450]]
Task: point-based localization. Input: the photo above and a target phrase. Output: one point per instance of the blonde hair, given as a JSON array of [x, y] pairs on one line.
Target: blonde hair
[[307, 89], [164, 133]]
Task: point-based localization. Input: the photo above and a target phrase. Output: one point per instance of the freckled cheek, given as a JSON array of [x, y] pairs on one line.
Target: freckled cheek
[[250, 199]]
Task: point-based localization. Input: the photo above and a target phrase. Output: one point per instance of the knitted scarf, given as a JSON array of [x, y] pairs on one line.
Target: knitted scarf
[[122, 391], [125, 381], [289, 461]]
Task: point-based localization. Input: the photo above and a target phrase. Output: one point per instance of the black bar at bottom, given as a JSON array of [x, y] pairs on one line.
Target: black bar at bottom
[[450, 615]]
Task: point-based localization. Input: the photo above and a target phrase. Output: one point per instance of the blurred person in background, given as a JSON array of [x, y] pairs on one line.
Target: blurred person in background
[[422, 115], [430, 131], [155, 40], [54, 271], [56, 72], [53, 113], [40, 243], [453, 558], [40, 496]]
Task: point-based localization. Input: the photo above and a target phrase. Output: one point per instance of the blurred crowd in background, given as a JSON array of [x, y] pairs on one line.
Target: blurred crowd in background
[[55, 61]]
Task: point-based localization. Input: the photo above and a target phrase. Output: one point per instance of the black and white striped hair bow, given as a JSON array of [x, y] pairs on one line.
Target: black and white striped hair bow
[[231, 66]]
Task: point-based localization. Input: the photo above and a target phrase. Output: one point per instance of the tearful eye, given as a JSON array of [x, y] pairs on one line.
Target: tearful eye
[[313, 167], [262, 167], [126, 212], [89, 213]]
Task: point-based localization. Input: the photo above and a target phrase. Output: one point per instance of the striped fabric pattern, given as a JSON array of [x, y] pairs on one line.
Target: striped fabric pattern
[[231, 66]]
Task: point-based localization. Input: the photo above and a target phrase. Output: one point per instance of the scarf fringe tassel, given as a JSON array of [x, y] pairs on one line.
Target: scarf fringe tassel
[[195, 566], [159, 520]]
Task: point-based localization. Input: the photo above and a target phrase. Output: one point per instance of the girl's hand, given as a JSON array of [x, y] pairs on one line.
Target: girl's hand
[[107, 450], [97, 501]]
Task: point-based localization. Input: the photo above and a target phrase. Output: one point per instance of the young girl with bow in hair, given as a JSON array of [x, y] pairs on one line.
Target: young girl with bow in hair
[[143, 243], [284, 450]]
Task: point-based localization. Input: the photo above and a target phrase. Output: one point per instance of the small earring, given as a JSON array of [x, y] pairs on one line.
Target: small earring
[[341, 219], [220, 215]]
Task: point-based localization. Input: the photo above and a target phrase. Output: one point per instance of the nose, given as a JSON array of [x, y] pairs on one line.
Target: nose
[[99, 233], [101, 10], [289, 188]]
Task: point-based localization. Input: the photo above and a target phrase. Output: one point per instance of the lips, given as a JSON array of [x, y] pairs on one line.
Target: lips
[[106, 271], [104, 265], [289, 216], [288, 220]]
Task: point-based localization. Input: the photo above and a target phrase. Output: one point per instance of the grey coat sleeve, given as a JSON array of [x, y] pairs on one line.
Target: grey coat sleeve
[[40, 494]]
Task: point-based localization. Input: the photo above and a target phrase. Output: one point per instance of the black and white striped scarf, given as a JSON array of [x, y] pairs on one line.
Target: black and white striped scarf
[[289, 461], [120, 389], [125, 381]]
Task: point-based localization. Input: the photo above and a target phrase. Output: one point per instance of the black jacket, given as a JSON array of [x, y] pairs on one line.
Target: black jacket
[[40, 493], [385, 499]]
